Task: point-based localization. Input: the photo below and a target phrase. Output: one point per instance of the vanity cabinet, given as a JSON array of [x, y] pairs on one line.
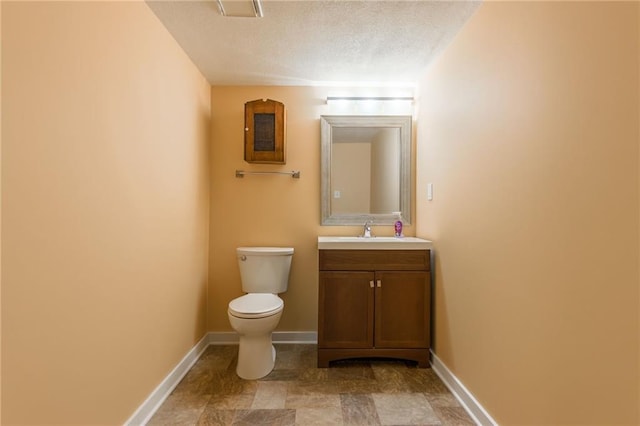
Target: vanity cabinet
[[374, 303]]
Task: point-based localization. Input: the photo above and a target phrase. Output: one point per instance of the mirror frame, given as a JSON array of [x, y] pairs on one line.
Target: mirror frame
[[327, 124]]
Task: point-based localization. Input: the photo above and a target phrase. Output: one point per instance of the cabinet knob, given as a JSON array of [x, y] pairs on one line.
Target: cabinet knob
[[379, 282], [371, 284]]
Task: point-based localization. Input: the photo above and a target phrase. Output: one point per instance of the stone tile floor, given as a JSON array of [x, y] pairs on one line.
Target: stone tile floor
[[296, 392]]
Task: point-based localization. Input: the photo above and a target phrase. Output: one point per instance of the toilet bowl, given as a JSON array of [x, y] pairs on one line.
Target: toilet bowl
[[256, 354], [264, 272]]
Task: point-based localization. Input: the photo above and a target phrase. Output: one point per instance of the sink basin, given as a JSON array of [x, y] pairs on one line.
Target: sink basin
[[373, 243]]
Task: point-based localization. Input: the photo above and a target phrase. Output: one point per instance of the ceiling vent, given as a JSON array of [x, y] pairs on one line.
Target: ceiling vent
[[240, 8]]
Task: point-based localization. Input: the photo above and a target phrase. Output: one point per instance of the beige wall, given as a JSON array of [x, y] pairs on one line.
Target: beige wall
[[105, 133], [268, 210], [529, 128], [264, 210]]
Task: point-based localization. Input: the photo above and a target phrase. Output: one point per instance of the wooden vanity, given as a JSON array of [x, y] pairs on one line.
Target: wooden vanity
[[374, 302]]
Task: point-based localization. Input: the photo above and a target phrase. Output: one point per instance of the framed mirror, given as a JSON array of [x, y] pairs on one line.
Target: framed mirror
[[365, 169]]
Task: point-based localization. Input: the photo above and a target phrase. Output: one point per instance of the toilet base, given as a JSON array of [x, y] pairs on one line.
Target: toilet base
[[256, 357], [256, 354]]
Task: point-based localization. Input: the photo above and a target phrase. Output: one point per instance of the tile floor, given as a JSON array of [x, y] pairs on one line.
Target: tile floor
[[296, 392]]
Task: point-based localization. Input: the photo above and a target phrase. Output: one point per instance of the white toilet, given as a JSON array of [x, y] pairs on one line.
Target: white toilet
[[264, 272]]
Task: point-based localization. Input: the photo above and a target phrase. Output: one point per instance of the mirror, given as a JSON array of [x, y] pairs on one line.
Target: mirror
[[366, 169]]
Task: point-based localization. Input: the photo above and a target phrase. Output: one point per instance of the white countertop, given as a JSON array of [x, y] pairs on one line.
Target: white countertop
[[373, 243]]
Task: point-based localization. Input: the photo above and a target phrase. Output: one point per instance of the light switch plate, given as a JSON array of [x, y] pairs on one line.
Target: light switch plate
[[429, 191]]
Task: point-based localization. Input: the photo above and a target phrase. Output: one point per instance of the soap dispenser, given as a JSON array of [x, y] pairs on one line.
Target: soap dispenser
[[397, 226]]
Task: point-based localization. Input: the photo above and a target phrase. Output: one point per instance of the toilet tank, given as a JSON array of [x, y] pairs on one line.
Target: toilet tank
[[264, 269]]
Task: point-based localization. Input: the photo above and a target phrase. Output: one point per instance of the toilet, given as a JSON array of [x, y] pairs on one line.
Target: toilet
[[264, 272]]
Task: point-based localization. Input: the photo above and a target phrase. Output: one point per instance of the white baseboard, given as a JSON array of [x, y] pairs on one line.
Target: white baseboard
[[300, 337], [148, 408], [231, 337], [143, 414], [222, 337], [467, 400]]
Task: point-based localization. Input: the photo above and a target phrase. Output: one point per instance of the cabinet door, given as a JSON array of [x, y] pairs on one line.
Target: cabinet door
[[402, 309], [345, 315]]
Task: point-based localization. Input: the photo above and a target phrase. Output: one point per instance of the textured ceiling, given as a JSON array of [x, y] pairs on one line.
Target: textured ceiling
[[315, 42]]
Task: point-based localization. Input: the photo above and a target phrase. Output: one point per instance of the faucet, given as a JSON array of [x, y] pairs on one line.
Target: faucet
[[367, 229]]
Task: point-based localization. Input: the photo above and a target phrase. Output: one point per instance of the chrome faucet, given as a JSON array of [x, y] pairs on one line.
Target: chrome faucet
[[367, 229]]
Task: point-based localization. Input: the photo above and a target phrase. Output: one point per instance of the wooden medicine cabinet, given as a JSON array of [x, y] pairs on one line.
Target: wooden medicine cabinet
[[264, 132]]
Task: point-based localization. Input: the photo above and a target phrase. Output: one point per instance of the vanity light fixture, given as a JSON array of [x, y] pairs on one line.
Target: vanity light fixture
[[370, 98], [240, 8], [370, 105]]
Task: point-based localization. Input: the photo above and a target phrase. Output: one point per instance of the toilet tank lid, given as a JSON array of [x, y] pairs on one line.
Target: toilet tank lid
[[265, 251]]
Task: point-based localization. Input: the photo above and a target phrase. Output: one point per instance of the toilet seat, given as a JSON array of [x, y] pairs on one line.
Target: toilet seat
[[255, 305]]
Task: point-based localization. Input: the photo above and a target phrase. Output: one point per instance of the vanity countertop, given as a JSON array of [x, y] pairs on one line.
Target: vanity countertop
[[373, 243]]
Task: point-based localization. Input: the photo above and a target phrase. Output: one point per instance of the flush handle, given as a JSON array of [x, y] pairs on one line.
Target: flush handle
[[243, 257]]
